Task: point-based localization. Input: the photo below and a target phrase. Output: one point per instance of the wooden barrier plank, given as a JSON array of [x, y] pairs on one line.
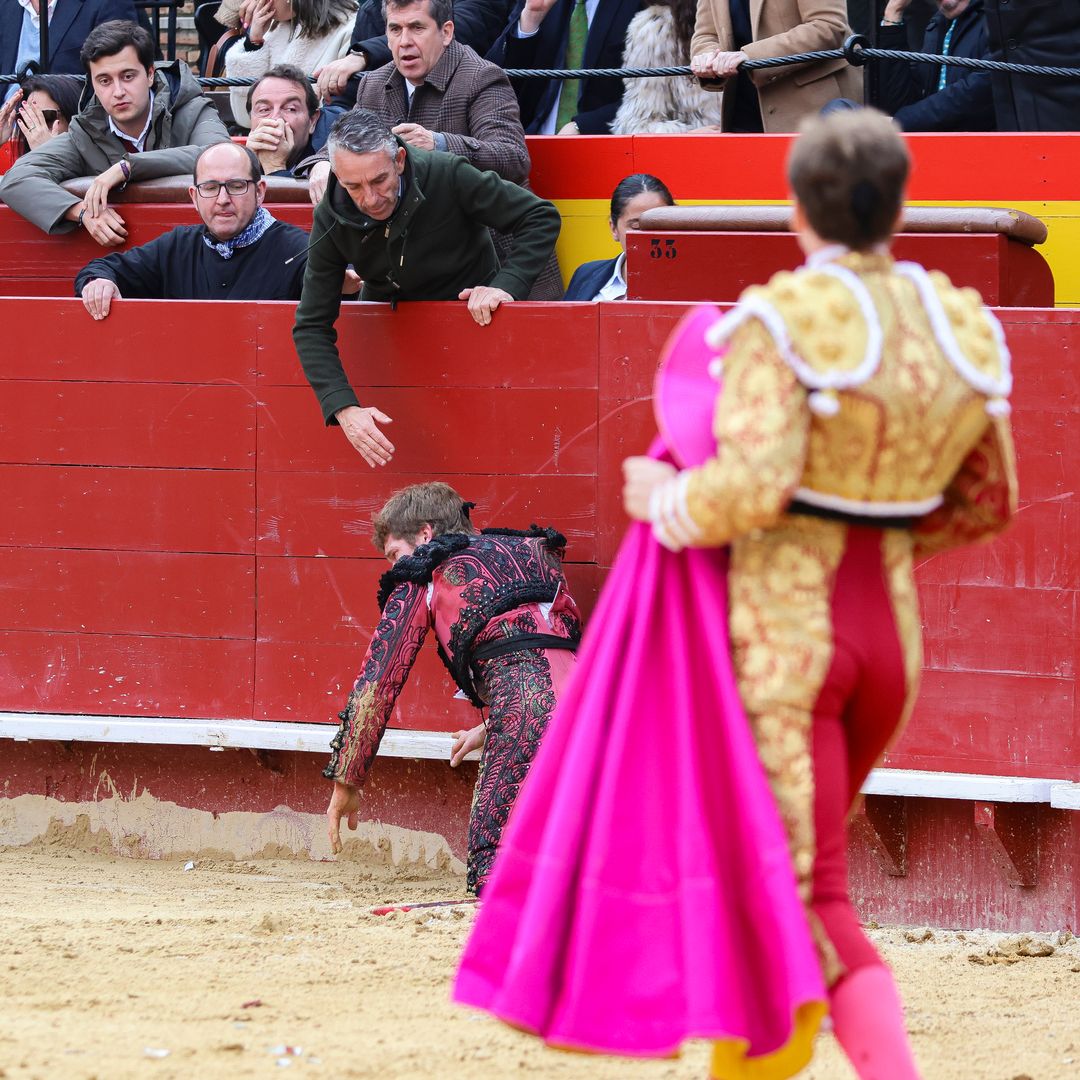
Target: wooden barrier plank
[[147, 341], [159, 425], [1045, 463], [718, 266], [1040, 550], [128, 509], [966, 626], [310, 683], [318, 601], [128, 592], [585, 167], [27, 252], [438, 431], [992, 722], [334, 601], [329, 513], [438, 344], [631, 338], [137, 676]]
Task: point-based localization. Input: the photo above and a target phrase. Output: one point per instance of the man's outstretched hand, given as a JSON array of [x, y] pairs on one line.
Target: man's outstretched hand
[[361, 429], [344, 803]]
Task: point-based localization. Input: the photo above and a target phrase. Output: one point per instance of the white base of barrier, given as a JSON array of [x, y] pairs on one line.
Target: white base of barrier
[[435, 745]]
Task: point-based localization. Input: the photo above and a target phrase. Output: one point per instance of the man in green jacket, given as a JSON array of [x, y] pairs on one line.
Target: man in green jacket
[[414, 225], [135, 122]]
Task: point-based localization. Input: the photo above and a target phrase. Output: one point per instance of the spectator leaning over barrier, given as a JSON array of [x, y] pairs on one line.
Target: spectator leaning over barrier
[[239, 252], [137, 122], [439, 95], [730, 32], [566, 34], [477, 23], [415, 226], [284, 114], [922, 97], [70, 23]]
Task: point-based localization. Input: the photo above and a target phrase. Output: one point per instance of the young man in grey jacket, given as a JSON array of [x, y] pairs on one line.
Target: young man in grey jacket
[[135, 123]]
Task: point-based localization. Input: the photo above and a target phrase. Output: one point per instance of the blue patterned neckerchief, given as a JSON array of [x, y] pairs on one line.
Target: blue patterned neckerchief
[[945, 52], [262, 221]]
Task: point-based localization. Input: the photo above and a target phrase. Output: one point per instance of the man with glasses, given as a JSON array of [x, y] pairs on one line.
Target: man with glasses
[[239, 252]]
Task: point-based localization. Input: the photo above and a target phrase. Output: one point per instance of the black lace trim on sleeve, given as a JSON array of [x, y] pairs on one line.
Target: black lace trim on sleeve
[[420, 565]]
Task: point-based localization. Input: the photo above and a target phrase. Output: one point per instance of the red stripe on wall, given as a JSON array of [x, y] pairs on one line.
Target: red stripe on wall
[[997, 168]]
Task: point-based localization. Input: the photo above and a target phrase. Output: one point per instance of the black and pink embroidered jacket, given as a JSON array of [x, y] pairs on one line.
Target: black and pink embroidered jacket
[[485, 594]]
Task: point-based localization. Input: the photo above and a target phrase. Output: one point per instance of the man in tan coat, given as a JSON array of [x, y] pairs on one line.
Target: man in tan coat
[[730, 32]]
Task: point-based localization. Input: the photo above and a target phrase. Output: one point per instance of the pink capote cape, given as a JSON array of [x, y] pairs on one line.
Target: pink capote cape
[[643, 892]]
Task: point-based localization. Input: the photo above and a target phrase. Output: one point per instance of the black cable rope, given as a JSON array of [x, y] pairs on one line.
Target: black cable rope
[[856, 51]]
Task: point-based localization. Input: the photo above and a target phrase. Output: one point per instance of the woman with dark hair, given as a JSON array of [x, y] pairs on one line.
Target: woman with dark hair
[[659, 36], [42, 108], [605, 279], [304, 33]]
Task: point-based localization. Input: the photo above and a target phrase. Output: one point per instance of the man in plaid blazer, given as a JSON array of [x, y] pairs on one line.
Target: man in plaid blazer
[[438, 94]]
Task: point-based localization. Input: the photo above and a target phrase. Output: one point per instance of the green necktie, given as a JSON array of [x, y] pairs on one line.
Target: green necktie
[[575, 55]]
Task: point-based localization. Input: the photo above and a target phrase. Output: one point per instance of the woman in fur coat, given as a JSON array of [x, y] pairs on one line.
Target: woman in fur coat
[[659, 36]]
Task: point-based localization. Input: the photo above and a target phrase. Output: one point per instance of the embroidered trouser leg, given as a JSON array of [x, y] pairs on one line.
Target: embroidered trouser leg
[[824, 628], [522, 689]]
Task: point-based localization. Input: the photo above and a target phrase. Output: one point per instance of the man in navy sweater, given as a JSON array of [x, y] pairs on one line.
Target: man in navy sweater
[[239, 252]]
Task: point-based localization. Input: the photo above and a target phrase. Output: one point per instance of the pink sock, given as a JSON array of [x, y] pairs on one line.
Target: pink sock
[[868, 1021]]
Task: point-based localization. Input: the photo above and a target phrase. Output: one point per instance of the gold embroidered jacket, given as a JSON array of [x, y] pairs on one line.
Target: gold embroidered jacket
[[858, 385]]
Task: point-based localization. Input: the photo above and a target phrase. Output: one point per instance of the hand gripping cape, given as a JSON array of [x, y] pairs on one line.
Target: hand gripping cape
[[643, 893]]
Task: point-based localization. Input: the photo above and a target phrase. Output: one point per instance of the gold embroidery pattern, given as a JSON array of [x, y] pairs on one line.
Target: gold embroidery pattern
[[781, 637], [761, 425], [363, 721], [981, 499], [902, 434]]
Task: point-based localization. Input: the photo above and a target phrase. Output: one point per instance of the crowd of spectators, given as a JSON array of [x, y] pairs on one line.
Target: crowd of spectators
[[398, 117]]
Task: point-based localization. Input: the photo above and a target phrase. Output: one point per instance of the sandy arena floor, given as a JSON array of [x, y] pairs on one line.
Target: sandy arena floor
[[113, 968]]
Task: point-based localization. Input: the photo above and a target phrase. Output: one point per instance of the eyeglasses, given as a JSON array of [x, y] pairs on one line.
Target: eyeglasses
[[209, 189], [49, 116]]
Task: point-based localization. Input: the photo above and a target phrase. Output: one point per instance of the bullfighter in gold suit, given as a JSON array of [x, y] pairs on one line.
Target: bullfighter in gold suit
[[862, 425]]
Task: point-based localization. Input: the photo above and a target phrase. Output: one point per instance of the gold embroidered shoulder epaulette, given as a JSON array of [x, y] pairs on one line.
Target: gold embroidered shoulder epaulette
[[822, 319], [968, 334]]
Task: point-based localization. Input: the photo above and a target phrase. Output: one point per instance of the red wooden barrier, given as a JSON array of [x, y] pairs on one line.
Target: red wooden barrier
[[717, 266], [180, 513], [182, 537]]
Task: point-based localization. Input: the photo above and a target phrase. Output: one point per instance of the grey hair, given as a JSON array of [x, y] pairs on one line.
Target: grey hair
[[442, 11], [361, 132]]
